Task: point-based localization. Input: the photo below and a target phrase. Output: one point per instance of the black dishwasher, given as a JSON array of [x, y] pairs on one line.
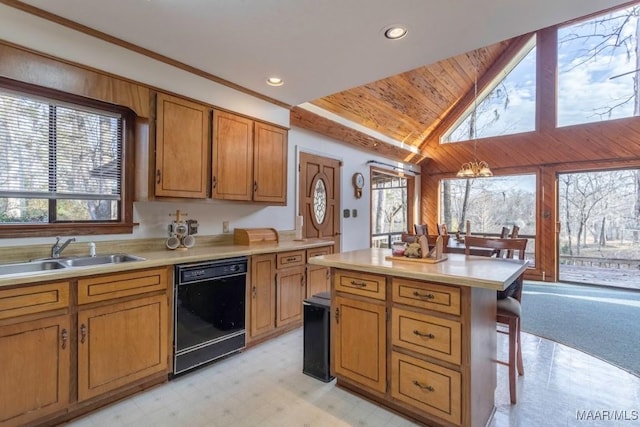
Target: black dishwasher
[[209, 301], [317, 339]]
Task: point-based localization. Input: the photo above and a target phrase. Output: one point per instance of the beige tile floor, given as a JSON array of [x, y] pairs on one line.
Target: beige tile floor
[[264, 386]]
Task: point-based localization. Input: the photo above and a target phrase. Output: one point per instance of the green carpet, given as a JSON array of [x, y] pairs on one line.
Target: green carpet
[[602, 322]]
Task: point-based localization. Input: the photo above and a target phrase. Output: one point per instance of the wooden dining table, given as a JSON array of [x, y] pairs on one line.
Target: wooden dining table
[[457, 247]]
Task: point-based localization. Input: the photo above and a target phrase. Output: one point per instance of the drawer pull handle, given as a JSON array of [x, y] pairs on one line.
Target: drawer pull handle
[[425, 296], [337, 315], [83, 333], [420, 334], [291, 259], [358, 284], [422, 386], [63, 336]]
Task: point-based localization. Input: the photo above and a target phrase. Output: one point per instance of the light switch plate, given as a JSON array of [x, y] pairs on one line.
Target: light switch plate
[[225, 226], [346, 213], [354, 213]]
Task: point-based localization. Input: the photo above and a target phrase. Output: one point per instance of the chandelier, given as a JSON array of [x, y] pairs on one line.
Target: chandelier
[[474, 169]]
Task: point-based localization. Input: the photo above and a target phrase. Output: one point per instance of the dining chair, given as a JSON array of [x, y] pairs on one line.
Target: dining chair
[[509, 304], [442, 229], [421, 229], [407, 238]]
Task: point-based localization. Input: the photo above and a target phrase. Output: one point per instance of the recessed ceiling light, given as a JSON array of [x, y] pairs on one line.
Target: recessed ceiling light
[[395, 32], [275, 81]]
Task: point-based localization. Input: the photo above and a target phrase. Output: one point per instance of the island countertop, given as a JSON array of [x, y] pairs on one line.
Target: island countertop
[[457, 269]]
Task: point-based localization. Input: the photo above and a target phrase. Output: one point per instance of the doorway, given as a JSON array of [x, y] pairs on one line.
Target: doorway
[[319, 197], [599, 238]]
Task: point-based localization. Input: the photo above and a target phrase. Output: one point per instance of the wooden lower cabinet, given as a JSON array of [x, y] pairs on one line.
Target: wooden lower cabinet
[[318, 277], [121, 343], [358, 338], [262, 295], [290, 291], [34, 369], [431, 358]]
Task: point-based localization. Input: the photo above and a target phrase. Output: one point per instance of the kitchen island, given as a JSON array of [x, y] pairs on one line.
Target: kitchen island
[[418, 338]]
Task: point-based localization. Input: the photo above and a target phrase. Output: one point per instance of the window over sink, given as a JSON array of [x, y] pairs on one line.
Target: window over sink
[[62, 163]]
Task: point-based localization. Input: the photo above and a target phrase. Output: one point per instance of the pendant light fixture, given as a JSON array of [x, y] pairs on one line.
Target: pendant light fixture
[[474, 169]]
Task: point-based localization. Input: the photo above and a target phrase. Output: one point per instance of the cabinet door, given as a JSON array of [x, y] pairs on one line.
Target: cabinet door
[[290, 293], [358, 335], [263, 294], [232, 156], [121, 343], [34, 367], [182, 147], [318, 277], [318, 280], [270, 164]]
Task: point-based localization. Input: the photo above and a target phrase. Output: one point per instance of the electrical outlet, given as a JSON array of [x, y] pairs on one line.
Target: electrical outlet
[[225, 226]]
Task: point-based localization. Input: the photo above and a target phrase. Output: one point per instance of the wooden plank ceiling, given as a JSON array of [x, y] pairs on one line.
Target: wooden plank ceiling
[[407, 107]]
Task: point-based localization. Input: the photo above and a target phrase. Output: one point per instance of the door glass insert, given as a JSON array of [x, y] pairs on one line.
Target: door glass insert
[[320, 201]]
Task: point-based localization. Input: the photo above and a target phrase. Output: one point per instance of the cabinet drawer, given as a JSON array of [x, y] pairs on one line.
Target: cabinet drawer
[[33, 299], [427, 387], [429, 335], [290, 259], [357, 283], [325, 250], [431, 296], [113, 286]]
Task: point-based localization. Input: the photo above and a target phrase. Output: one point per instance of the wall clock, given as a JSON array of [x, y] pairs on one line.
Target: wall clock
[[358, 184]]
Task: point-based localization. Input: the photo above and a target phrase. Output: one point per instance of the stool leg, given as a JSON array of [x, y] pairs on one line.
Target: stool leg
[[519, 353], [513, 329]]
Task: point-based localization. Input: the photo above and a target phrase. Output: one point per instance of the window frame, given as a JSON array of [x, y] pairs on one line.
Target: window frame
[[411, 199], [477, 98], [122, 226]]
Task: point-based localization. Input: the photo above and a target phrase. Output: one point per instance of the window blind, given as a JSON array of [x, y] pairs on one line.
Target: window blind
[[53, 150]]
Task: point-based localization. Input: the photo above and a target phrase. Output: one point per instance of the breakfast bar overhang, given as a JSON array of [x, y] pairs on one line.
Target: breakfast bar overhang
[[419, 338]]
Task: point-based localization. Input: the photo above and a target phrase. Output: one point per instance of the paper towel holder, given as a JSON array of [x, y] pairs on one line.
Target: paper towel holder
[[298, 229]]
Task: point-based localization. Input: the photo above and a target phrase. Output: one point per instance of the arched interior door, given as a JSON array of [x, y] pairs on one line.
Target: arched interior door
[[319, 197]]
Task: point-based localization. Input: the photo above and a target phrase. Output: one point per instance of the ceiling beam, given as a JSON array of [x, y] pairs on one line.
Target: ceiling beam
[[308, 120]]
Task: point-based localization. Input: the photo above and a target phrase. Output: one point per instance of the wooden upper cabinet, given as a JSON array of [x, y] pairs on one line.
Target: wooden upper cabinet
[[249, 160], [182, 148], [232, 177], [270, 164]]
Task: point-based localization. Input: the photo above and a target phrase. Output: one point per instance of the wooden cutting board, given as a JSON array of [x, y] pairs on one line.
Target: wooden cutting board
[[415, 260]]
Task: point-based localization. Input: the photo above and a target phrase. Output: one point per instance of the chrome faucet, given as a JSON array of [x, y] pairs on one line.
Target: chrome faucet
[[57, 248]]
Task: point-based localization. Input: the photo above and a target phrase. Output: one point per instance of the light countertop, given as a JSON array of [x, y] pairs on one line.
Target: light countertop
[[159, 258], [457, 269]]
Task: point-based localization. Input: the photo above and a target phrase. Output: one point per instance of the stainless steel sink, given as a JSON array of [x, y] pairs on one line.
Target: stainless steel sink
[[30, 267], [99, 260], [35, 266]]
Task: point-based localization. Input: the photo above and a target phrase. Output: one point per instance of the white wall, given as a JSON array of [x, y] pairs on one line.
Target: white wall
[[29, 31]]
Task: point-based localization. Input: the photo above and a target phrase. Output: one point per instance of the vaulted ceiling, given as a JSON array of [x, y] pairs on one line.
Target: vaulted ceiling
[[407, 107]]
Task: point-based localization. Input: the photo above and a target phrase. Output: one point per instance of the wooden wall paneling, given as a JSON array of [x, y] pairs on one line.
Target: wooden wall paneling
[[547, 238], [546, 83], [21, 64]]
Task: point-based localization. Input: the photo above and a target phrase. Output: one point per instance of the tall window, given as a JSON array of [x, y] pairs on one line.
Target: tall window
[[506, 106], [490, 204], [391, 206], [60, 162], [598, 68]]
